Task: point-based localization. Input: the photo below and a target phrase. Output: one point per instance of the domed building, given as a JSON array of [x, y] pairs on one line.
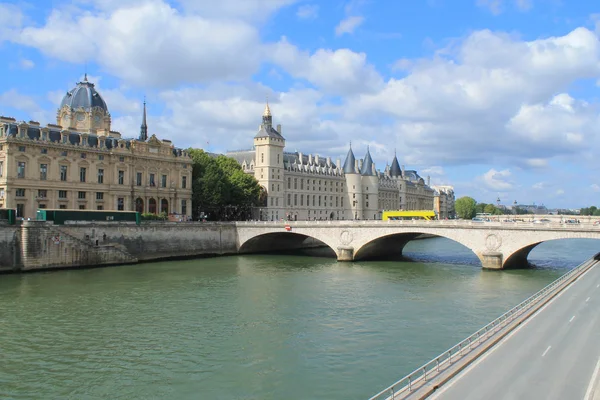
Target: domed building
[[80, 163]]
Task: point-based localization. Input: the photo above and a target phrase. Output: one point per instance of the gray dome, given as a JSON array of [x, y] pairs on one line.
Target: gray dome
[[84, 95]]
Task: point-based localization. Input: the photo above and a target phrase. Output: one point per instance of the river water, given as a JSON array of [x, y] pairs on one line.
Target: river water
[[253, 327]]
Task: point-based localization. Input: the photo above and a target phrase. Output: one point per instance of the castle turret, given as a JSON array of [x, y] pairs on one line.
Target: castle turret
[[370, 184], [354, 185], [268, 166]]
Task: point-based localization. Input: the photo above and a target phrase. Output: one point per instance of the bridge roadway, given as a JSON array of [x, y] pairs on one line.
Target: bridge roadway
[[554, 355]]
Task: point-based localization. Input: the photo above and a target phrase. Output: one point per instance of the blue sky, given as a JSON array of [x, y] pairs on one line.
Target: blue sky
[[495, 97]]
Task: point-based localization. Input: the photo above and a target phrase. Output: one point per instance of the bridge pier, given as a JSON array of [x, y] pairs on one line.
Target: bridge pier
[[345, 253], [492, 260]]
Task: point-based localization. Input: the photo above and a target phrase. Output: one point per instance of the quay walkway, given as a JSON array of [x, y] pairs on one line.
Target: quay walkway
[[548, 347]]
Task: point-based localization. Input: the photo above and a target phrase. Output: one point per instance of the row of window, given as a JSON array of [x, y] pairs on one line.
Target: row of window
[[21, 167], [62, 194], [316, 201], [314, 182]]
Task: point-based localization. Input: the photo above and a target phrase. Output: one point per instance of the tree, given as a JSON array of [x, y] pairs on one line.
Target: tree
[[492, 209], [220, 188], [465, 207], [480, 207]]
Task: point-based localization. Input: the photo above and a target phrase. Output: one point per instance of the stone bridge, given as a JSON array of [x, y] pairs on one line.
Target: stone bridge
[[498, 245]]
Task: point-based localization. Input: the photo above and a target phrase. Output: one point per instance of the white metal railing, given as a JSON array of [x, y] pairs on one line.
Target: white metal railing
[[432, 368]]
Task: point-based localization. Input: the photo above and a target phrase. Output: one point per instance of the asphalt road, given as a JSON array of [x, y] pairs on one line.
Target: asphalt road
[[553, 355]]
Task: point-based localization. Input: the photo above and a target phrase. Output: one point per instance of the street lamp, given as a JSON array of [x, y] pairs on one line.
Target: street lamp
[[515, 207]]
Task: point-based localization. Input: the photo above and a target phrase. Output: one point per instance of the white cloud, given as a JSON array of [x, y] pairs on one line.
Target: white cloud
[[348, 25], [497, 180], [560, 192], [595, 187], [447, 109], [334, 71], [308, 11], [246, 9], [14, 99], [151, 43], [11, 18], [434, 171], [536, 163], [26, 64]]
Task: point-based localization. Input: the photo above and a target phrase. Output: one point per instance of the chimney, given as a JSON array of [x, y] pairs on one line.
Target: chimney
[[310, 160], [360, 164], [402, 168], [338, 163], [317, 159], [329, 161], [356, 166], [428, 180], [300, 158], [279, 128]]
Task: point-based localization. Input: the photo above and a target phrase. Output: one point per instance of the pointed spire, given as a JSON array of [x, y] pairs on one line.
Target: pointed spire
[[267, 112], [144, 127], [395, 170], [349, 162], [267, 117], [367, 167]]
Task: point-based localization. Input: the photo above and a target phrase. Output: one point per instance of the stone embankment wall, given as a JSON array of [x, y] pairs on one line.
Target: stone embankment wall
[[156, 240], [46, 246], [10, 248], [38, 245]]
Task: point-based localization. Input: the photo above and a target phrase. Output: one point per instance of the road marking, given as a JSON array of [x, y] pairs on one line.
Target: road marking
[[546, 351], [588, 299], [589, 391], [485, 355], [572, 318]]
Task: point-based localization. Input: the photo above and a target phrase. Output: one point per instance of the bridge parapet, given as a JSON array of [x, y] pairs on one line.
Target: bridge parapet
[[497, 244]]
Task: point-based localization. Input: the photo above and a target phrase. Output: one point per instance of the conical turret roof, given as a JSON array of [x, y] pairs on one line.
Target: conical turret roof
[[395, 170], [367, 167], [349, 163]]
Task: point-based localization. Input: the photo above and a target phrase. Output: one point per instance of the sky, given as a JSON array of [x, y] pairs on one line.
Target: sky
[[498, 98]]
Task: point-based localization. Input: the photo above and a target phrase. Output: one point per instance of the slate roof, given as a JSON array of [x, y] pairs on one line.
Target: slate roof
[[367, 166], [395, 170], [268, 131], [34, 132], [349, 163], [84, 95]]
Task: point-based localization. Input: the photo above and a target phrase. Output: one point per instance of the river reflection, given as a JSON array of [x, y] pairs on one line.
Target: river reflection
[[254, 326]]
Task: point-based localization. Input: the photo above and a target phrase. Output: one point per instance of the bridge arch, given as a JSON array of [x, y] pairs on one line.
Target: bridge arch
[[392, 244], [519, 258], [281, 241]]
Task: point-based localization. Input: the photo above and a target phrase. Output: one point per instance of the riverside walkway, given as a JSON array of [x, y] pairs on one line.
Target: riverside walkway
[[548, 347]]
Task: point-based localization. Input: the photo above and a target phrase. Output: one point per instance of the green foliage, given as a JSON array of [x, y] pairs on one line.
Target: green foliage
[[465, 207], [492, 209], [154, 217], [220, 188], [592, 210]]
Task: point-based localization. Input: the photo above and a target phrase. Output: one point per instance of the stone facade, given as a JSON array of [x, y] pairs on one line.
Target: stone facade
[[443, 201], [79, 163], [311, 187]]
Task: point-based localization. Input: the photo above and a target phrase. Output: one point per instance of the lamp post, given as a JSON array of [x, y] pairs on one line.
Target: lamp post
[[515, 207]]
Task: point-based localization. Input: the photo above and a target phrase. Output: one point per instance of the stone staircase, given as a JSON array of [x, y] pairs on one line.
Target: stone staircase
[[45, 245]]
